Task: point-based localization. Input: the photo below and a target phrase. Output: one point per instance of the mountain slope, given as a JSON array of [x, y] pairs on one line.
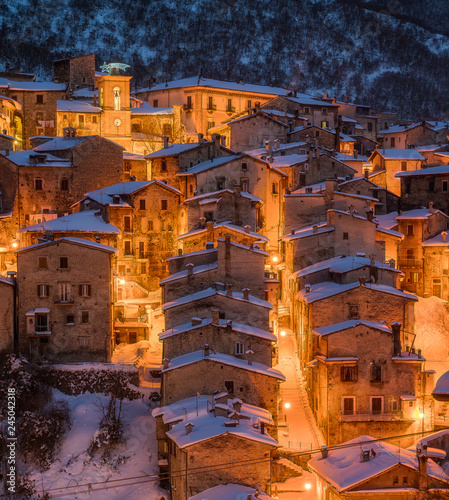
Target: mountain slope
[[377, 54]]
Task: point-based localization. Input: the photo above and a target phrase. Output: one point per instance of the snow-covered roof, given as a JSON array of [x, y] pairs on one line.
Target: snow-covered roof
[[206, 425], [345, 158], [32, 86], [184, 273], [396, 129], [387, 221], [230, 491], [345, 325], [224, 225], [342, 264], [133, 156], [85, 222], [327, 289], [398, 154], [61, 143], [208, 164], [174, 149], [437, 241], [16, 104], [308, 231], [6, 281], [22, 159], [238, 327], [418, 213], [429, 147], [308, 100], [198, 252], [344, 470], [84, 93], [195, 81], [439, 170], [210, 292], [77, 241], [147, 109], [390, 232], [77, 107], [288, 160], [225, 359]]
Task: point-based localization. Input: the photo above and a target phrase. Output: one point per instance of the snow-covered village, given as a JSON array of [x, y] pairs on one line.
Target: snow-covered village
[[220, 281]]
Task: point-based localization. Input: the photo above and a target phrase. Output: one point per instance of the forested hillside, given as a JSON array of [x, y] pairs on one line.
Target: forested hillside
[[392, 54]]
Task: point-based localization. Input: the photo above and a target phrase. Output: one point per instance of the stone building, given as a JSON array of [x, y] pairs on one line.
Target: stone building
[[363, 381], [436, 266], [59, 317], [416, 134], [8, 113], [7, 327], [387, 162], [207, 102], [420, 187], [325, 138], [134, 167], [206, 431], [78, 72], [37, 113], [367, 467]]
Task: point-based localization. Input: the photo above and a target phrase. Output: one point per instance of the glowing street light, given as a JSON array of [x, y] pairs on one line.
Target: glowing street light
[[275, 258], [308, 486], [287, 406], [421, 415], [283, 333], [15, 244], [122, 281]]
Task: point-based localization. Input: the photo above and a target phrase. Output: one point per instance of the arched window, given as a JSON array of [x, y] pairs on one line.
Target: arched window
[[116, 91], [101, 97]]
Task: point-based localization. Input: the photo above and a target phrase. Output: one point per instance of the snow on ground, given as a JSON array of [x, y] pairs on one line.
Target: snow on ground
[[143, 353], [432, 333], [137, 457]]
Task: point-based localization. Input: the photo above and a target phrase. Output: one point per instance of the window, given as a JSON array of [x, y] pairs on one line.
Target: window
[[166, 129], [41, 322], [239, 348], [392, 143], [348, 373], [348, 405], [94, 119], [414, 277], [370, 127], [39, 99], [80, 121], [64, 184], [220, 184], [444, 187], [404, 166], [408, 187], [141, 249], [209, 216], [229, 385], [405, 480], [431, 186], [84, 341], [150, 225], [116, 93], [324, 111], [63, 262], [164, 204], [189, 102], [163, 227], [155, 103], [164, 246], [42, 290], [244, 166], [210, 124], [101, 97], [84, 290], [248, 103], [64, 292], [244, 182], [410, 231], [376, 373], [142, 204], [354, 311], [143, 268], [127, 224], [42, 262], [376, 193], [229, 107], [127, 247], [346, 236], [163, 166], [84, 317], [65, 117], [121, 270], [210, 103], [324, 124], [395, 479], [307, 111], [377, 404], [70, 319], [274, 188], [410, 253], [38, 184]]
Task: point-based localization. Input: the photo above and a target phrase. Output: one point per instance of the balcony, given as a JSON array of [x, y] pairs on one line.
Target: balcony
[[372, 417], [211, 107], [187, 107], [63, 299], [230, 109], [402, 263]]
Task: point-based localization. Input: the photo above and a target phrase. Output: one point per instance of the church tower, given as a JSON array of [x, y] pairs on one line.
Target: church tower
[[114, 100]]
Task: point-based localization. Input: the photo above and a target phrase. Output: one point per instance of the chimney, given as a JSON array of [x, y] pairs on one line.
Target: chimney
[[165, 362], [190, 267], [189, 428], [179, 251], [165, 138], [419, 353], [324, 452], [372, 261], [215, 316], [95, 100], [210, 225], [266, 294], [223, 140], [292, 231], [362, 280], [396, 328], [245, 292], [200, 138], [330, 186], [206, 350], [6, 152], [412, 350], [287, 191], [229, 325], [422, 459], [366, 172], [269, 147], [310, 155], [370, 215], [262, 427], [237, 405], [250, 357], [431, 209], [196, 321], [290, 127], [216, 139], [351, 209], [356, 153], [209, 245], [229, 289], [203, 222], [315, 229], [365, 455], [308, 288], [277, 143], [247, 229]]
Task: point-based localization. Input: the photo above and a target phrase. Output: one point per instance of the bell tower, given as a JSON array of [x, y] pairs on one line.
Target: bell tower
[[114, 100]]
